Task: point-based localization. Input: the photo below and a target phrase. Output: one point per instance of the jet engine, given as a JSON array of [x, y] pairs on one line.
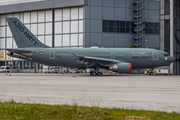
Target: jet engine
[[122, 68]]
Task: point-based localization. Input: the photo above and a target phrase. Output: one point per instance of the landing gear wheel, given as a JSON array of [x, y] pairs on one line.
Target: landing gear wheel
[[151, 73], [99, 74], [91, 73], [94, 73]]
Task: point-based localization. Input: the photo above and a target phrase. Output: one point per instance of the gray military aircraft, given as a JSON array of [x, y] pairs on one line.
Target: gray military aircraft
[[120, 60]]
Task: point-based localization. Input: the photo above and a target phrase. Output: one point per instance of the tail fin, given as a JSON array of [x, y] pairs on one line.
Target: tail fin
[[22, 36]]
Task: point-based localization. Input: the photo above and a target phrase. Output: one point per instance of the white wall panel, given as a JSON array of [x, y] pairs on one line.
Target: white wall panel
[[66, 14], [2, 20], [80, 39], [34, 29], [9, 34], [9, 15], [74, 13], [15, 58], [16, 15], [65, 40], [74, 40], [49, 41], [41, 38], [74, 26], [58, 40], [81, 26], [58, 27], [33, 17], [28, 26], [48, 28], [41, 16], [66, 27], [21, 17], [81, 13], [48, 15], [40, 29], [27, 17], [2, 43], [2, 32], [58, 15], [14, 44], [9, 43]]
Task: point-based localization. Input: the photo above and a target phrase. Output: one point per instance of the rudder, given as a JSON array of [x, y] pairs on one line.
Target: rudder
[[23, 37]]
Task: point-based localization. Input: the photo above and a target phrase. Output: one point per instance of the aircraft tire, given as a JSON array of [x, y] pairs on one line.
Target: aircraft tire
[[151, 73], [99, 73], [91, 73], [94, 74]]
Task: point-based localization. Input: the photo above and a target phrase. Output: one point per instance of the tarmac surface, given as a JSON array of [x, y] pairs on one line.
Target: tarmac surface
[[120, 91]]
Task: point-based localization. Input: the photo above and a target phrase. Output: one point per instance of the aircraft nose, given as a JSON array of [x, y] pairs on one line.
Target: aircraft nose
[[172, 59]]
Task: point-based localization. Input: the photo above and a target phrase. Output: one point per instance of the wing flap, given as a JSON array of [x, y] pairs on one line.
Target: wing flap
[[97, 60]]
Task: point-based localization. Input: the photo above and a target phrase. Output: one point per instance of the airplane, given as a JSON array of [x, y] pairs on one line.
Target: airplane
[[120, 60]]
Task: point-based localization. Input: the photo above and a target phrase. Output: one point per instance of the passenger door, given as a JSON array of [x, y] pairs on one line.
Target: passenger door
[[155, 55], [111, 55], [51, 54]]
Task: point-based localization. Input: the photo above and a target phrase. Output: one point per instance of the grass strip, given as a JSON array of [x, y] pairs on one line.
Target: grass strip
[[19, 111]]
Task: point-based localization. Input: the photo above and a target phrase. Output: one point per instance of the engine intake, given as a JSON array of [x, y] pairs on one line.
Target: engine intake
[[122, 68]]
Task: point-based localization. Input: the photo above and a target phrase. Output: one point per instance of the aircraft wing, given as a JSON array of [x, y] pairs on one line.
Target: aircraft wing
[[91, 61]]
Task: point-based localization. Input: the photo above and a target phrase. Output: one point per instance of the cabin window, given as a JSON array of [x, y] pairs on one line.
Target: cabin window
[[166, 54]]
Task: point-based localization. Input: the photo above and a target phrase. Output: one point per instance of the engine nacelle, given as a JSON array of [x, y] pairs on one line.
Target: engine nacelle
[[122, 68]]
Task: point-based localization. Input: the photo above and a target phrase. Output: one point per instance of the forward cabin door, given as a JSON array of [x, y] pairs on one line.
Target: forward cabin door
[[155, 55]]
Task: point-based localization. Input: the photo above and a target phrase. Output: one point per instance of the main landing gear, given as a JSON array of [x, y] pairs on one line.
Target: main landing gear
[[95, 73]]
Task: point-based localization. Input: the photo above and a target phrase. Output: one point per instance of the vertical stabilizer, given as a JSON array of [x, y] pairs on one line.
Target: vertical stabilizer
[[23, 36]]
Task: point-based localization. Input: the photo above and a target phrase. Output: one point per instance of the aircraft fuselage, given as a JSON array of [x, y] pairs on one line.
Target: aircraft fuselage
[[139, 58]]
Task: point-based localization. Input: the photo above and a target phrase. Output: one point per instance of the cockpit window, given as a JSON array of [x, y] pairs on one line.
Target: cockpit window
[[166, 54]]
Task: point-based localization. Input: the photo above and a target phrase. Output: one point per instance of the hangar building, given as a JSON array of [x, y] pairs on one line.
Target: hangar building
[[170, 31], [81, 23]]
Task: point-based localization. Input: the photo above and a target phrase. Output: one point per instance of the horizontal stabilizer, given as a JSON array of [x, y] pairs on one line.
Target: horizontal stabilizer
[[26, 52], [28, 59]]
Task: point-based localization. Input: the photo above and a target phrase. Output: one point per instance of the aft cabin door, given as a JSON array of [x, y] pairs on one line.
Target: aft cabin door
[[51, 54], [155, 55]]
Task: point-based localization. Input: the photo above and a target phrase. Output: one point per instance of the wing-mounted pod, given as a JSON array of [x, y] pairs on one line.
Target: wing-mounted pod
[[121, 68]]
